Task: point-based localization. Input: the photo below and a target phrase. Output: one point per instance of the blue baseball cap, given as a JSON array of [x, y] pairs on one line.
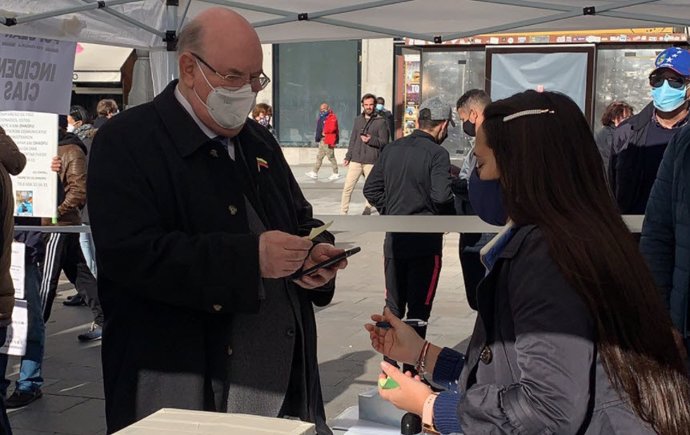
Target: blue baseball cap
[[675, 58]]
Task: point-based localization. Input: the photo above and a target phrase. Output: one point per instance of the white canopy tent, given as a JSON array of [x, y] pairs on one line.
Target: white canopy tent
[[153, 24], [144, 23]]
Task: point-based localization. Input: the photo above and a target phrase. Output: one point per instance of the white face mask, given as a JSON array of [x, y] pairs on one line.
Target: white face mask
[[70, 128], [228, 108]]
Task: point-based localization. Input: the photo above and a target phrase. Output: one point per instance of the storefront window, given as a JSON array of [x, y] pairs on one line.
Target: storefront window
[[448, 75], [309, 74], [622, 74]]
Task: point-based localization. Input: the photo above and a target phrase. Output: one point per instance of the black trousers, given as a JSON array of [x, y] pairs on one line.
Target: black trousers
[[410, 289], [63, 252]]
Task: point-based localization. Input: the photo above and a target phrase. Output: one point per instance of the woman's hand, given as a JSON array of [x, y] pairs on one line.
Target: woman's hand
[[399, 342], [411, 393]]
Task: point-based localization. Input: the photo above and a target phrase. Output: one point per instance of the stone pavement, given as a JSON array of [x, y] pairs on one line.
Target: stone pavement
[[73, 394]]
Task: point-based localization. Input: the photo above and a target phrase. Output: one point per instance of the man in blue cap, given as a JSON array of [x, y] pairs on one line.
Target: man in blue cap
[[640, 141]]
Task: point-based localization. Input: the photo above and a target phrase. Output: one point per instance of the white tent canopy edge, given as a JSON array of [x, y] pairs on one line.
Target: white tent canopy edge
[[154, 24]]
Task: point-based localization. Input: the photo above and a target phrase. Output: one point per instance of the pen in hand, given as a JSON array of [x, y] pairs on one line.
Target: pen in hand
[[412, 322]]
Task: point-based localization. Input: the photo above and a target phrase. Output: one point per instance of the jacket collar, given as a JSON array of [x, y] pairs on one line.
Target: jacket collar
[[422, 134], [184, 131], [513, 246], [643, 118]]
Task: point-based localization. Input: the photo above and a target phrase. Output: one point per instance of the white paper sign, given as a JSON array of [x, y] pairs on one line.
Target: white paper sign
[[17, 271], [15, 343], [35, 189], [36, 73]]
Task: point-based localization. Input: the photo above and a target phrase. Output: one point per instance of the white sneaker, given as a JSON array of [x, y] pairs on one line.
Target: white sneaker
[[334, 177], [312, 174]]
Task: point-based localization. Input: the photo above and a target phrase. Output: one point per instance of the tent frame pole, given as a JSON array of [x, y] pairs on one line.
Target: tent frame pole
[[131, 21], [8, 21], [646, 17]]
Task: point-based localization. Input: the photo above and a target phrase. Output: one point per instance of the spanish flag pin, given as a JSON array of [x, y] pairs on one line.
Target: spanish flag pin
[[261, 163]]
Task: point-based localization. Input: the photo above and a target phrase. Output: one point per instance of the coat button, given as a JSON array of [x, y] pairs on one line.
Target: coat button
[[290, 332], [232, 209], [229, 350], [217, 307], [486, 355]]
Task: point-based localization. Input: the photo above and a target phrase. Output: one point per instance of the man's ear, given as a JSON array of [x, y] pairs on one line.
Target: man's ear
[[187, 66]]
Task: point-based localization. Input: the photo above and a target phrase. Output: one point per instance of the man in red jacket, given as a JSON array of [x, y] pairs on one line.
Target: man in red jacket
[[327, 136]]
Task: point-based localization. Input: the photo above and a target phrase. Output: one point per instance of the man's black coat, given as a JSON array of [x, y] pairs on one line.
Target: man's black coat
[[177, 260]]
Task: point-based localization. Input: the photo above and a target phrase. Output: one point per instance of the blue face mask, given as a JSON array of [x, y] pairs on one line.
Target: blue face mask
[[379, 107], [486, 198], [668, 99]]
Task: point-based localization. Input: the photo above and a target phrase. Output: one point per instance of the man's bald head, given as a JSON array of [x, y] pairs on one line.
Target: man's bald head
[[228, 46], [324, 107]]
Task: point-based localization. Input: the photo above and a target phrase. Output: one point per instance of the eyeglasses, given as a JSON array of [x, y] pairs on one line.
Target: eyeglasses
[[657, 81], [257, 83]]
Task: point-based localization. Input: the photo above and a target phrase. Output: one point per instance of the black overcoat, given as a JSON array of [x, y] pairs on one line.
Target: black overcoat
[[178, 262]]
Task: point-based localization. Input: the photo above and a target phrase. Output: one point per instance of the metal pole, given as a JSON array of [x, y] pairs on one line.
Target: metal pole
[[645, 17], [171, 25], [8, 21]]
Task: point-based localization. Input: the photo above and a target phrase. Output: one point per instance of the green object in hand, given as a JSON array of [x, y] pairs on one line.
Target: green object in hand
[[388, 383]]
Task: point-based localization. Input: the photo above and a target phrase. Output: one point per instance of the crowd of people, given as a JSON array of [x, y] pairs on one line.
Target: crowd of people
[[196, 215]]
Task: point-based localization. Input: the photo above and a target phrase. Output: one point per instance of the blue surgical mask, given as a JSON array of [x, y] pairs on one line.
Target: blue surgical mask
[[486, 198], [379, 107], [668, 99]]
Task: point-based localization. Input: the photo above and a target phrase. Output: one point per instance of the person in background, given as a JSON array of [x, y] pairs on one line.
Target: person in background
[[615, 113], [63, 251], [79, 123], [412, 178], [571, 336], [665, 241], [470, 109], [369, 136], [105, 109], [12, 162], [327, 137], [639, 142], [387, 115], [263, 114]]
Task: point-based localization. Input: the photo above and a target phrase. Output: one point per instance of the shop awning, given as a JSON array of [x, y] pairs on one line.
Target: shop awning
[[99, 63]]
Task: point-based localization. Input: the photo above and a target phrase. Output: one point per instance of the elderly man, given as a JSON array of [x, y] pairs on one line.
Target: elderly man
[[198, 219]]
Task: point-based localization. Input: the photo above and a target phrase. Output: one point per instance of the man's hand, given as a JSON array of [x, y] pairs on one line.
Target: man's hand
[[346, 162], [56, 164], [321, 253], [365, 137], [281, 254]]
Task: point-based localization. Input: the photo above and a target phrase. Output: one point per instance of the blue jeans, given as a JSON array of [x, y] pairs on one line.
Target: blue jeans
[[30, 370], [89, 250]]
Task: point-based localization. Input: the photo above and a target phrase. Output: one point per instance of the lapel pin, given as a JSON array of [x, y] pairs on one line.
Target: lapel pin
[[214, 153]]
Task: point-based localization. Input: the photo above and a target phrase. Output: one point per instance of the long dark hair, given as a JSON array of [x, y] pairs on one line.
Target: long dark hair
[[550, 176]]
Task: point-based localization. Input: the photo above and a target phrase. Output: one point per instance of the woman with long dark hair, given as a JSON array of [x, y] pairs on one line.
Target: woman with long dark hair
[[571, 336]]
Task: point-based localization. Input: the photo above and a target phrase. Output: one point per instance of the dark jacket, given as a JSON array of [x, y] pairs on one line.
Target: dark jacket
[[12, 162], [604, 141], [665, 241], [412, 177], [170, 219], [634, 162], [367, 153], [390, 122], [532, 365]]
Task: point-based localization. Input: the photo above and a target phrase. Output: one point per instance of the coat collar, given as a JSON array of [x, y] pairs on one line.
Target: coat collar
[[185, 133], [513, 246]]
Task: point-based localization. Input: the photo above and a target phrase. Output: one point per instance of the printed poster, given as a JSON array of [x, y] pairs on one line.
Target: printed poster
[[15, 343], [35, 188], [17, 271]]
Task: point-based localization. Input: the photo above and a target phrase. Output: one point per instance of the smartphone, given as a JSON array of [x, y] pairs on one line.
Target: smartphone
[[328, 263]]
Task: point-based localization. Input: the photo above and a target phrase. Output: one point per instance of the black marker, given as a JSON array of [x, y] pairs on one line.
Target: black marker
[[412, 322]]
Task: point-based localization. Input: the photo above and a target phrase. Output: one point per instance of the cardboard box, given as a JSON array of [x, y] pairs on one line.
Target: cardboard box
[[184, 422]]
